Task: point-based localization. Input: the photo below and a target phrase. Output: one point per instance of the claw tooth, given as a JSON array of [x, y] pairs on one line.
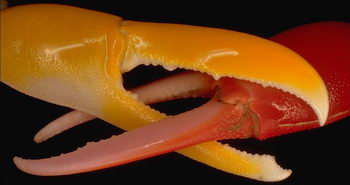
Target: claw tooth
[[217, 77], [169, 68]]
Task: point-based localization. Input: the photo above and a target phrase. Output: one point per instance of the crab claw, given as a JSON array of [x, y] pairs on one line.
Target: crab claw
[[240, 109], [231, 114], [82, 69]]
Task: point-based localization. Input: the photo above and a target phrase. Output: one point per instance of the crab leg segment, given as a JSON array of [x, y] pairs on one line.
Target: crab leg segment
[[272, 105], [77, 64]]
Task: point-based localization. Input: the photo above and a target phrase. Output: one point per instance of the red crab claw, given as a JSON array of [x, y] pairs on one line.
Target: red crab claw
[[326, 46], [239, 109]]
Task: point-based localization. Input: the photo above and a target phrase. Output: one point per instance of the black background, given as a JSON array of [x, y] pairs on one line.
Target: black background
[[315, 156]]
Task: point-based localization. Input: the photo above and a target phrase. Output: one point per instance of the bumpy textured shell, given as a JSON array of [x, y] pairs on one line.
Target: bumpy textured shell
[[78, 61]]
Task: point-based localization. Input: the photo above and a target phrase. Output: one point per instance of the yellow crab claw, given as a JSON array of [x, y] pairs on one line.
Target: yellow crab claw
[[75, 58]]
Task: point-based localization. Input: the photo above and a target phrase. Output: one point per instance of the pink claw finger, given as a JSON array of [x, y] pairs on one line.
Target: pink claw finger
[[164, 136]]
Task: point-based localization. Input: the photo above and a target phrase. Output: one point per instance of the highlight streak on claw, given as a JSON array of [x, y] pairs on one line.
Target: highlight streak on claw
[[61, 124]]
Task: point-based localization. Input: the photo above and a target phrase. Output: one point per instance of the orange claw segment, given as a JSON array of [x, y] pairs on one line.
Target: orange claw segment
[[50, 62], [229, 53], [90, 50]]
